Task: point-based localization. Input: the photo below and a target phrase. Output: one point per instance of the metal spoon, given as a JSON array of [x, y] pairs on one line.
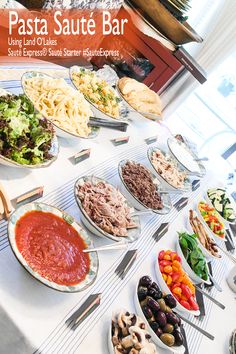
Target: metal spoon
[[114, 246]]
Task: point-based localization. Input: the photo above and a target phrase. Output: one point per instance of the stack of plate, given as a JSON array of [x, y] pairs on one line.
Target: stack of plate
[[178, 8]]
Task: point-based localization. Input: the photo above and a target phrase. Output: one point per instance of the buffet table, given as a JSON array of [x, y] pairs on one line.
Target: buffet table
[[40, 313]]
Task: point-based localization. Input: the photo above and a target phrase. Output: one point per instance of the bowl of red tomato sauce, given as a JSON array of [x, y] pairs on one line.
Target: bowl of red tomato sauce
[[49, 244]]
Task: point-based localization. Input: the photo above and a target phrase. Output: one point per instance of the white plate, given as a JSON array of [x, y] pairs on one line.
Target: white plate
[[224, 221], [194, 277], [165, 289], [187, 184], [206, 253], [63, 133], [171, 142], [135, 201], [207, 227], [174, 349], [133, 234]]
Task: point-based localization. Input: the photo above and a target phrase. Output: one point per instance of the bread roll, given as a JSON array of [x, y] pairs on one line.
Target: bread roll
[[139, 96]]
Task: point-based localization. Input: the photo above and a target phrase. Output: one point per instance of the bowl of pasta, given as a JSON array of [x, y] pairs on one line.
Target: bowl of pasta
[[58, 102], [103, 97]]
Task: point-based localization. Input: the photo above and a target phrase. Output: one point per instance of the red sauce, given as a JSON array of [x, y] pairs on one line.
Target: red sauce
[[52, 247]]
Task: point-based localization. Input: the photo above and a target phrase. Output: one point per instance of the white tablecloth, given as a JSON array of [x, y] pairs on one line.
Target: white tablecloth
[[40, 312]]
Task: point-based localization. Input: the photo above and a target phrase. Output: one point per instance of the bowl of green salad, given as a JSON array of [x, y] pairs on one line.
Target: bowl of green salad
[[27, 140]]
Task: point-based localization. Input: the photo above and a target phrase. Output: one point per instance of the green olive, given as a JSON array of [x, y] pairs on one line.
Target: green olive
[[168, 328], [168, 309], [168, 339], [162, 304]]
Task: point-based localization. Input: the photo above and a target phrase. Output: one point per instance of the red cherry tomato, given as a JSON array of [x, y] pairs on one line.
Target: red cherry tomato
[[175, 277], [185, 304], [193, 304], [186, 291], [176, 285], [161, 255], [164, 263]]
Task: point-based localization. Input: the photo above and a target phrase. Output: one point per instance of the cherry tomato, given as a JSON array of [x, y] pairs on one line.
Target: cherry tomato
[[167, 269], [193, 303], [161, 255], [185, 304], [164, 262], [164, 276], [177, 291], [176, 285], [175, 276], [169, 280], [186, 291]]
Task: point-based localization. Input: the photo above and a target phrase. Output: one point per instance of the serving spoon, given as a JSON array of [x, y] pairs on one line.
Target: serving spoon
[[114, 246]]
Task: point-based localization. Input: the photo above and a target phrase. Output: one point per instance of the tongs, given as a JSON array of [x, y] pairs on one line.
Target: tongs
[[5, 204], [105, 123]]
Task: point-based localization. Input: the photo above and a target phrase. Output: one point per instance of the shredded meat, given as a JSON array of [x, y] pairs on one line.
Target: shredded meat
[[166, 167], [106, 207], [139, 181]]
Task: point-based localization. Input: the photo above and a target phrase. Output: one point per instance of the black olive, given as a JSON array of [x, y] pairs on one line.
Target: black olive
[[159, 332], [154, 325], [170, 301], [145, 281], [155, 286], [158, 295], [178, 338], [161, 318], [153, 304], [142, 293], [147, 312], [152, 292], [171, 318]]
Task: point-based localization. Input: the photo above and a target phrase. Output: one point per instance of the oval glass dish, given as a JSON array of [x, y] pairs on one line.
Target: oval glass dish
[[165, 197], [132, 233], [186, 187], [150, 116], [45, 208], [99, 113]]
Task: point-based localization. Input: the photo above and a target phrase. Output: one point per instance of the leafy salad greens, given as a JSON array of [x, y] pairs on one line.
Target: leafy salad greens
[[193, 254], [25, 137]]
